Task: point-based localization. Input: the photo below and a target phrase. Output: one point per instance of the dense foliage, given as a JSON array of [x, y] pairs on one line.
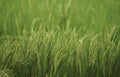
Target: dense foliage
[[59, 38]]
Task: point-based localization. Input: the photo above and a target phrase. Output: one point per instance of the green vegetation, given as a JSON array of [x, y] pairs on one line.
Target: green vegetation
[[65, 38]]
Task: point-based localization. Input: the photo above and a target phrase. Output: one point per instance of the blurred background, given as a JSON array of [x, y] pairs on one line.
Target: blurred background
[[90, 14]]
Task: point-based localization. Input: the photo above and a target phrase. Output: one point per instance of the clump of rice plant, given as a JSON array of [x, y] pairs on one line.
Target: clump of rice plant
[[54, 54]]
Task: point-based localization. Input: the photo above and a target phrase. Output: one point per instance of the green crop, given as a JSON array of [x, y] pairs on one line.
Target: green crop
[[65, 38]]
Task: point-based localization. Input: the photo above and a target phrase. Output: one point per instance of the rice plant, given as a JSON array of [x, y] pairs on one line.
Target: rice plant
[[66, 38]]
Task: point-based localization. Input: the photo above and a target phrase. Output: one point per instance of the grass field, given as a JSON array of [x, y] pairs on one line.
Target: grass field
[[59, 38]]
